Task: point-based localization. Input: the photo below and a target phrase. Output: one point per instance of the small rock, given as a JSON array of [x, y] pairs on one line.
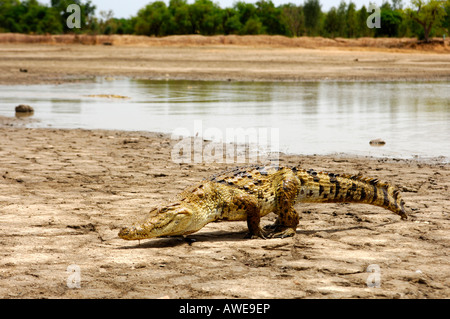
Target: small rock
[[22, 108], [377, 142], [130, 140]]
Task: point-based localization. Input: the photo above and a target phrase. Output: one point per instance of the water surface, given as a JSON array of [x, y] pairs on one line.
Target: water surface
[[311, 117]]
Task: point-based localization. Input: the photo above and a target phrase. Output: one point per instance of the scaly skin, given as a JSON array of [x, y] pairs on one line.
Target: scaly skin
[[249, 193]]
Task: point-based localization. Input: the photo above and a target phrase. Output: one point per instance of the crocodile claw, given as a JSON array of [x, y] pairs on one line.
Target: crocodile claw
[[259, 234], [282, 233]]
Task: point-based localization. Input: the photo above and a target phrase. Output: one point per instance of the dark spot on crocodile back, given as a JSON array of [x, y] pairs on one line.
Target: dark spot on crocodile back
[[396, 193], [338, 188], [321, 189], [375, 193], [363, 194], [385, 198], [257, 182], [311, 172]]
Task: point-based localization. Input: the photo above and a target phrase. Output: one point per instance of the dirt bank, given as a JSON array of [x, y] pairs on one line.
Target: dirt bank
[[46, 59], [64, 194]]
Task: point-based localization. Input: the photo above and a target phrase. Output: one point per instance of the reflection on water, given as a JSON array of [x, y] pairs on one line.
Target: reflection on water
[[312, 117]]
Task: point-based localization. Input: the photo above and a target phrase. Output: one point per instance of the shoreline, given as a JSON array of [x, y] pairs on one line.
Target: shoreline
[[93, 79], [6, 121]]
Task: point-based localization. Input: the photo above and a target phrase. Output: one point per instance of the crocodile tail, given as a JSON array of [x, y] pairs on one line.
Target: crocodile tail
[[334, 188]]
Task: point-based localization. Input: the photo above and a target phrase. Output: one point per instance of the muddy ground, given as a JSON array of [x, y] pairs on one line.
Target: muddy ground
[[64, 194]]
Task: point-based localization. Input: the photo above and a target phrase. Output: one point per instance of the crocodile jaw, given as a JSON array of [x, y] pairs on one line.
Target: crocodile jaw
[[167, 221]]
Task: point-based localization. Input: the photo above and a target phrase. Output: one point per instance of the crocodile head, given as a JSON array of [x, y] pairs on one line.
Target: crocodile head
[[172, 220]]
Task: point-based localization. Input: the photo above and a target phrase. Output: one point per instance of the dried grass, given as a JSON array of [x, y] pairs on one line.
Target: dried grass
[[437, 45]]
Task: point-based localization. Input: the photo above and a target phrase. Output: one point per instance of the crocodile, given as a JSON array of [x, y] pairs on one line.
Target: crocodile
[[251, 192]]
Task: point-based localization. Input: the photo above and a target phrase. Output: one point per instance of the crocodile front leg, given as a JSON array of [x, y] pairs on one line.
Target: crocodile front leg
[[248, 206], [253, 217], [287, 221]]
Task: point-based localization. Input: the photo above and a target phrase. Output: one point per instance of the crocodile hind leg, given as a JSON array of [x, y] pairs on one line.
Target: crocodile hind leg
[[288, 218], [276, 226], [286, 227]]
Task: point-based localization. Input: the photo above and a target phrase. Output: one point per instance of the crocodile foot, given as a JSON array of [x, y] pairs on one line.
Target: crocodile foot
[[258, 234], [281, 232]]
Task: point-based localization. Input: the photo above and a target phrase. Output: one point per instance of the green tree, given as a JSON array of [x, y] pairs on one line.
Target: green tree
[[361, 18], [331, 25], [28, 16], [428, 14], [446, 21], [180, 22], [231, 21], [270, 17], [341, 17], [106, 25], [312, 11], [351, 21], [205, 17], [10, 12], [245, 19], [50, 23], [391, 21], [294, 19], [253, 26], [245, 11], [239, 21], [153, 19]]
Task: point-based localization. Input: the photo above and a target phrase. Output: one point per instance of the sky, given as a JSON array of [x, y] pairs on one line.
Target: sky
[[127, 8]]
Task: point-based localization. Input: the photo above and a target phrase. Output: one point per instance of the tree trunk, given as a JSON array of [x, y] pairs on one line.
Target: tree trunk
[[426, 34]]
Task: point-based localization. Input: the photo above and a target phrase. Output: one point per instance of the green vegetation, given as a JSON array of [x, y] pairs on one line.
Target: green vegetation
[[422, 18], [430, 15]]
